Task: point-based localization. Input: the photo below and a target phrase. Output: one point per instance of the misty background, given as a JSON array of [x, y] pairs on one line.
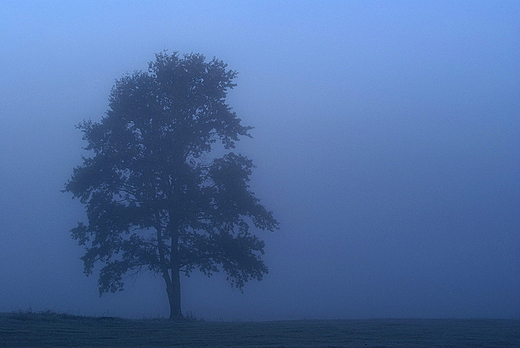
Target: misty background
[[386, 140]]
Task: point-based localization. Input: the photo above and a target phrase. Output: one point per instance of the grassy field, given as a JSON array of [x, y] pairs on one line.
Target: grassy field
[[61, 330]]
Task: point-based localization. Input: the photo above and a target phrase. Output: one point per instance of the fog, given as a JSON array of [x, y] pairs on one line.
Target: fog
[[386, 140]]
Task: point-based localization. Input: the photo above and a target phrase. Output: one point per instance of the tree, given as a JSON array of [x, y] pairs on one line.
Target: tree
[[156, 196]]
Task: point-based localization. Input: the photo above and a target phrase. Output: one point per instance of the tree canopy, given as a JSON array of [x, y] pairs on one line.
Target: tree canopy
[[157, 198]]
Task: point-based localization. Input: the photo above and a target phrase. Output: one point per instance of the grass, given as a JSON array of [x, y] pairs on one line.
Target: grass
[[49, 329]]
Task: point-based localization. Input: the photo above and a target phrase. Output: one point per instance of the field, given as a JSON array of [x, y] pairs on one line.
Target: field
[[63, 330]]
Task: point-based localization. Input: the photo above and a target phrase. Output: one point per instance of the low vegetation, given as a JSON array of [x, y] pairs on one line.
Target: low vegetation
[[49, 329]]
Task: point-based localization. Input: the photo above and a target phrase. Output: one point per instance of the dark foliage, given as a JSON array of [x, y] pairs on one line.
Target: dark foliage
[[155, 196]]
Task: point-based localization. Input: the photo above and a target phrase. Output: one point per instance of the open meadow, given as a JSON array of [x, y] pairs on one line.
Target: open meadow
[[62, 330]]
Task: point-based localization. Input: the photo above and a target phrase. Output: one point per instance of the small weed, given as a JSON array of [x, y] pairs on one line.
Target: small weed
[[46, 315], [23, 315], [189, 316]]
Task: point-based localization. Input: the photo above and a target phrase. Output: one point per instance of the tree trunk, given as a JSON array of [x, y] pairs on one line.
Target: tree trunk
[[173, 289]]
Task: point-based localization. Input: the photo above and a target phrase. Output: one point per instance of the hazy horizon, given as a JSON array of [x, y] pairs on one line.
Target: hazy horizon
[[386, 140]]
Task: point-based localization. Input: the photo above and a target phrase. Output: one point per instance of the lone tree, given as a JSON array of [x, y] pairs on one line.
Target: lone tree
[[156, 197]]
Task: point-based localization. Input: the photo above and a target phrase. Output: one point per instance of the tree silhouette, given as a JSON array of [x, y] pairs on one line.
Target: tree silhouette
[[156, 196]]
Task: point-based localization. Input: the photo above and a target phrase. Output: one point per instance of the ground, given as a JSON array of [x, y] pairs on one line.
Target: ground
[[48, 329]]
